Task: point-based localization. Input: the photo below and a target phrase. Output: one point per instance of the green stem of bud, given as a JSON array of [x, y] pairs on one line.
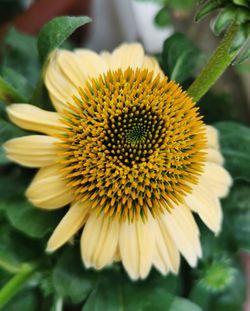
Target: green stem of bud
[[215, 67], [15, 283]]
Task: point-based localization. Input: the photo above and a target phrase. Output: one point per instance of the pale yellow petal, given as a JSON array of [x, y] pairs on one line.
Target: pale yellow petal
[[68, 226], [106, 56], [212, 136], [99, 241], [33, 150], [61, 89], [48, 189], [137, 247], [167, 256], [151, 64], [91, 64], [184, 232], [218, 179], [71, 67], [214, 155], [204, 202], [127, 55], [34, 119]]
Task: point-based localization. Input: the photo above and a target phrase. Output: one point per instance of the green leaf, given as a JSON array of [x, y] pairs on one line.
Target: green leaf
[[71, 281], [207, 8], [235, 147], [151, 294], [238, 200], [13, 182], [56, 31], [21, 56], [223, 20], [3, 159], [182, 304], [243, 55], [8, 93], [8, 131], [15, 248], [237, 215], [19, 82], [200, 296], [238, 41], [181, 5], [26, 300], [30, 220], [241, 2], [180, 57], [8, 259], [241, 229], [103, 298], [162, 18]]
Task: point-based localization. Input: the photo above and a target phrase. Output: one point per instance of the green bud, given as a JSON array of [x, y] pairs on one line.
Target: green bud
[[208, 8], [217, 276], [224, 19]]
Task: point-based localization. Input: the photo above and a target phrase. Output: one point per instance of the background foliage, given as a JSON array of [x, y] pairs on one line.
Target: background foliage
[[61, 281]]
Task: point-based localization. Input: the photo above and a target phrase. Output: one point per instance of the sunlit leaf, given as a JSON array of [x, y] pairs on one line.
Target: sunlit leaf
[[56, 31], [30, 220], [235, 146], [180, 57], [70, 280]]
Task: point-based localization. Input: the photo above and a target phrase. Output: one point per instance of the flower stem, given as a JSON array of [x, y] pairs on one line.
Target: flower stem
[[215, 67], [15, 283]]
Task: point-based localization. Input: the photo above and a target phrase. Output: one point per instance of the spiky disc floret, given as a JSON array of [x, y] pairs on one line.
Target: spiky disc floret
[[134, 144]]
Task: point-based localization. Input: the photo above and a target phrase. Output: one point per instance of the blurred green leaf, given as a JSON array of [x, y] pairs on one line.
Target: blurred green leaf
[[8, 131], [181, 5], [13, 182], [4, 277], [105, 298], [237, 216], [235, 147], [25, 300], [19, 82], [147, 295], [200, 295], [8, 93], [218, 107], [71, 281], [241, 229], [182, 304], [180, 57], [238, 199], [241, 2], [21, 56], [30, 220], [3, 158], [15, 248], [162, 18], [8, 259], [56, 31]]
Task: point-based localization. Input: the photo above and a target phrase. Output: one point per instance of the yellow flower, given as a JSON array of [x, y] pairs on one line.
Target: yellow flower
[[130, 152]]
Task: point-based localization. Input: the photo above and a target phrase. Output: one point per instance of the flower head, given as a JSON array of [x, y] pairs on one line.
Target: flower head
[[129, 151]]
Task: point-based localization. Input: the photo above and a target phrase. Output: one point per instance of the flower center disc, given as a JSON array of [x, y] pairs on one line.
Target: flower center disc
[[134, 144]]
